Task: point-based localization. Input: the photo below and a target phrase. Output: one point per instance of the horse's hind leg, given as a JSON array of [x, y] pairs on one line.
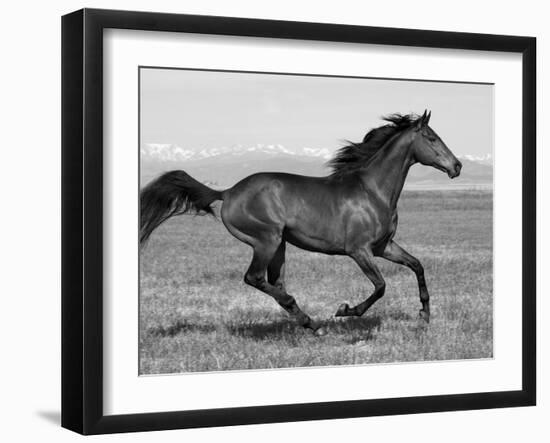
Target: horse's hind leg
[[276, 268], [255, 276], [397, 254], [365, 260]]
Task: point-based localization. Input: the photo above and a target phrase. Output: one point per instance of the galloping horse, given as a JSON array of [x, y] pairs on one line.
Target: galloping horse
[[352, 212]]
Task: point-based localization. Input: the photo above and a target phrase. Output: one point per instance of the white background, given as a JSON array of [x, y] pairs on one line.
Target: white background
[[30, 221]]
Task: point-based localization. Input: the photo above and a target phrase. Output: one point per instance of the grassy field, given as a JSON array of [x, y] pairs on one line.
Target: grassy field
[[196, 313]]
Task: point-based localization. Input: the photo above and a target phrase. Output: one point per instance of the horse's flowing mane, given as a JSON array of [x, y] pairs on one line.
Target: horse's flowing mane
[[354, 156]]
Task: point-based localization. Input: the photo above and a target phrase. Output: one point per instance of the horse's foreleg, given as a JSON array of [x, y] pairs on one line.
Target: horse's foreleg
[[255, 276], [365, 260], [397, 254]]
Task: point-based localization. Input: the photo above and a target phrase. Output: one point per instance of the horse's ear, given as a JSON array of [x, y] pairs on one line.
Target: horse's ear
[[420, 123], [427, 118]]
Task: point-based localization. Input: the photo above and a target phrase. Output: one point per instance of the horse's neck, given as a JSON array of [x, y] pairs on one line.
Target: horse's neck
[[387, 171]]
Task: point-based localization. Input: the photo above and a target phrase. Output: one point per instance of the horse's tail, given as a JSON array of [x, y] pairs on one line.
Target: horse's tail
[[173, 193]]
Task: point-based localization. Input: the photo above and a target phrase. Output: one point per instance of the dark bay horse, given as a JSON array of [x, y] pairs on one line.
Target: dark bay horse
[[351, 212]]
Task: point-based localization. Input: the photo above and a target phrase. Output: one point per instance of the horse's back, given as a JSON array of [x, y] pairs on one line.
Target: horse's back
[[266, 195], [277, 188], [277, 178]]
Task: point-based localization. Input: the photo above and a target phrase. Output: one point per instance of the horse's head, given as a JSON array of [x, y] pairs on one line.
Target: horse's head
[[430, 150]]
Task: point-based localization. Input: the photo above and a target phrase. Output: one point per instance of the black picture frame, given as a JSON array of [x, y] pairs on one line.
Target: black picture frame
[[82, 219]]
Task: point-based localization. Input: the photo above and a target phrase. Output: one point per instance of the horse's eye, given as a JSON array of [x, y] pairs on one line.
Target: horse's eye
[[432, 139]]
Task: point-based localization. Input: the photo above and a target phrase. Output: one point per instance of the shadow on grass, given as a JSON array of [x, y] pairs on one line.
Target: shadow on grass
[[399, 316], [355, 329], [180, 327], [351, 329]]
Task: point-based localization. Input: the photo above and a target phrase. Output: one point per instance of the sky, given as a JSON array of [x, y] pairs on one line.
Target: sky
[[205, 109]]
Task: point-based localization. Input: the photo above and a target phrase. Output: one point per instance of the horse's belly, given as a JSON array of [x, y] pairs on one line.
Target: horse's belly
[[313, 242]]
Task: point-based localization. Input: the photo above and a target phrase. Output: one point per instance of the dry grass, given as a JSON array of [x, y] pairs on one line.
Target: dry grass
[[196, 314]]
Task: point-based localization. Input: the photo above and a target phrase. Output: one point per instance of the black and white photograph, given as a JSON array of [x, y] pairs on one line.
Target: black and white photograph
[[294, 221], [276, 221]]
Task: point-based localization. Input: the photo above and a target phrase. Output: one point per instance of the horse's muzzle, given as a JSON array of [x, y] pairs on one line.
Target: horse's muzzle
[[455, 171]]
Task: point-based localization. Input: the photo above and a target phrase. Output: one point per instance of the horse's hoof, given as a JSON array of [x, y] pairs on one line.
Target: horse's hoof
[[343, 310], [424, 316], [320, 332]]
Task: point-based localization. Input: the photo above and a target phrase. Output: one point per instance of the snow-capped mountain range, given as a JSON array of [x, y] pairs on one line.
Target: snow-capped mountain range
[[486, 159], [174, 153], [227, 165]]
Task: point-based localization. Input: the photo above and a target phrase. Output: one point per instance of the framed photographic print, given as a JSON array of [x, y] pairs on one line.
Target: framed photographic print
[[268, 221]]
